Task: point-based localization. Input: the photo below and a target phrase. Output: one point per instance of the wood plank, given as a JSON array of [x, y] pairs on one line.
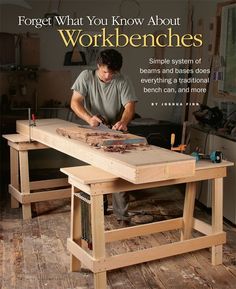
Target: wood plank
[[15, 193], [141, 230], [19, 141], [89, 174], [128, 165], [46, 184], [39, 196], [75, 229], [16, 137], [14, 175], [80, 254], [189, 201], [27, 146], [92, 175], [123, 185], [77, 184], [204, 164], [217, 218], [166, 171], [98, 238], [202, 227], [46, 196], [159, 252], [24, 182]]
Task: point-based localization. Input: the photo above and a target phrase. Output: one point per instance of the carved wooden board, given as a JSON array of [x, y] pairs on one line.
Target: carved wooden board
[[96, 137], [142, 165]]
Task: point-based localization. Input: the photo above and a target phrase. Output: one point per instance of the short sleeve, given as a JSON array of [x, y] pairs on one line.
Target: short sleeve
[[81, 83], [127, 92]]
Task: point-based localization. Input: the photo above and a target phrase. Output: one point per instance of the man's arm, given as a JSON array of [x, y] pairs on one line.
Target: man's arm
[[127, 116], [79, 109]]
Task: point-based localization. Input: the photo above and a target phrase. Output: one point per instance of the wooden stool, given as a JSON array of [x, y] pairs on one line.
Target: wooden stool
[[20, 185], [96, 182]]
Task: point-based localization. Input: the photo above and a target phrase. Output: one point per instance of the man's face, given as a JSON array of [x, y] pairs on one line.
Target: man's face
[[105, 74]]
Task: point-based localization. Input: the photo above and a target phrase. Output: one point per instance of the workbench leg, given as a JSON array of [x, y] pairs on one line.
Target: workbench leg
[[217, 218], [25, 183], [75, 264], [189, 202], [98, 238], [14, 171]]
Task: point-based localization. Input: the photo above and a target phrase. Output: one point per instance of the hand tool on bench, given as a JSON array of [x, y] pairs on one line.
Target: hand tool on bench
[[105, 127], [181, 148], [215, 156]]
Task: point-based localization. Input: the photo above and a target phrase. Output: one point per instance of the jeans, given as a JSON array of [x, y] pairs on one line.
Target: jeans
[[120, 203]]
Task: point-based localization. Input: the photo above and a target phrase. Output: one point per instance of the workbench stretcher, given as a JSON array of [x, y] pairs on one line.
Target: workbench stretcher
[[96, 182]]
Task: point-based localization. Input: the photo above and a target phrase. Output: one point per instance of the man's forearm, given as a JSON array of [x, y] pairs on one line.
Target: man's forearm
[[128, 113], [126, 117], [80, 111]]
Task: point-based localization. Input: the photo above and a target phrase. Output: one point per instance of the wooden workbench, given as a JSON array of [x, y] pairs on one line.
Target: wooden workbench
[[95, 183], [141, 165], [138, 169]]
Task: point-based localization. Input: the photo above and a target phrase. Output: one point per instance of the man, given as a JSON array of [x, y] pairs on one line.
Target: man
[[106, 92]]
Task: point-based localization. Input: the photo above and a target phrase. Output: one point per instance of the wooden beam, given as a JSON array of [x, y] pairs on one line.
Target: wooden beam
[[80, 254], [82, 187], [15, 193], [27, 146], [189, 201], [46, 184], [217, 218], [98, 238], [88, 175], [75, 229], [141, 230], [121, 185], [46, 196], [24, 183], [202, 227], [14, 175], [159, 252], [132, 166]]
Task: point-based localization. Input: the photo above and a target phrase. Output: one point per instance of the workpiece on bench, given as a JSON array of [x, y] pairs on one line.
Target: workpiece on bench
[[141, 165], [96, 137]]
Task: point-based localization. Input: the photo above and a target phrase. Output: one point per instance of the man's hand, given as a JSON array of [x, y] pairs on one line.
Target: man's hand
[[127, 116], [94, 121], [120, 125]]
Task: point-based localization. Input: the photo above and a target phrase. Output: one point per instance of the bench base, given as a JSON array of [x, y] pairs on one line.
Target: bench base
[[21, 187], [211, 236]]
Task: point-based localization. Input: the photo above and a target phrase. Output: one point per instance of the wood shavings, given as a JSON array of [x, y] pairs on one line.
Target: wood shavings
[[123, 148], [97, 138]]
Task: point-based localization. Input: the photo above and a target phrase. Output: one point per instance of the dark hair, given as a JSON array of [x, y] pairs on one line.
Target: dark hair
[[112, 58]]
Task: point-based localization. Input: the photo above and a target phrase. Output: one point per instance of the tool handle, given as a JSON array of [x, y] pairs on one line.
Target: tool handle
[[172, 139]]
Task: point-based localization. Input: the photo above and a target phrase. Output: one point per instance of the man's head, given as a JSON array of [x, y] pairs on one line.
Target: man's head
[[109, 62]]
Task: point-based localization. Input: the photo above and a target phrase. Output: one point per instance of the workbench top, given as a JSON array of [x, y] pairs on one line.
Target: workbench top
[[142, 165]]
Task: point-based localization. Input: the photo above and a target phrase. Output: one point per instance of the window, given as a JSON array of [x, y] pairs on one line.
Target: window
[[227, 50]]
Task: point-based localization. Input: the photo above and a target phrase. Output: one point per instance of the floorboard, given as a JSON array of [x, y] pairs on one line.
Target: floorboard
[[33, 253]]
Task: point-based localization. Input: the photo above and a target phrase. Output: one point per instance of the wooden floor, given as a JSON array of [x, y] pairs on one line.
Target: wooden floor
[[33, 253]]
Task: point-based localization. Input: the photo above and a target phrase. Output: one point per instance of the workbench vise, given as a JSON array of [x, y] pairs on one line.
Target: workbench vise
[[215, 156], [180, 148]]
